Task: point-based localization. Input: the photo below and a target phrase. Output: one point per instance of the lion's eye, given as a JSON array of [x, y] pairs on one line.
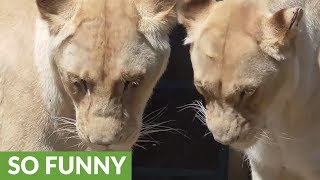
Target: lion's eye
[[81, 85], [248, 92], [130, 84]]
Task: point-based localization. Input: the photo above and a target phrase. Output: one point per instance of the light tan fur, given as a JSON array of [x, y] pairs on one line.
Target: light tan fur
[[79, 72], [257, 65]]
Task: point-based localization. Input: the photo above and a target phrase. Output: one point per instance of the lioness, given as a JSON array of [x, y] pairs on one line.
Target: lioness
[[256, 64], [77, 75]]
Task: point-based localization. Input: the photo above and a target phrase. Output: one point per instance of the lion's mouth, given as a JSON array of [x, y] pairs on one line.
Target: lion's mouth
[[232, 134]]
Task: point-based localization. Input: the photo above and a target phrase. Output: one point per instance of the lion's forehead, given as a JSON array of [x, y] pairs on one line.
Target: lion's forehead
[[230, 39], [108, 25], [106, 34], [109, 39]]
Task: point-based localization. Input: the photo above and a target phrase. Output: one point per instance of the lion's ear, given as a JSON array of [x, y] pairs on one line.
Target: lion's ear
[[156, 15], [56, 12], [189, 11], [156, 19], [280, 28], [279, 31]]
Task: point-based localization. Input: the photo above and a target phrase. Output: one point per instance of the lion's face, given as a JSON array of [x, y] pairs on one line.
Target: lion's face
[[109, 65], [240, 58]]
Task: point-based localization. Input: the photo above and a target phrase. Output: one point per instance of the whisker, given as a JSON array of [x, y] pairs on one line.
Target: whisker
[[140, 146], [148, 141], [158, 114], [208, 133], [64, 118], [150, 127]]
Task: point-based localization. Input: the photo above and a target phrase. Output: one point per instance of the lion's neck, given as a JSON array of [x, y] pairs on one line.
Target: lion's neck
[[295, 110], [290, 137], [307, 90]]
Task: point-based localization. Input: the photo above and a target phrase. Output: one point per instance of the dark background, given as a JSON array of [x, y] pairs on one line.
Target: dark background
[[177, 157]]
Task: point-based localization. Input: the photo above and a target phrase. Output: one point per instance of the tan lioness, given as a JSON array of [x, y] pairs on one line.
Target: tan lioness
[[79, 72], [256, 62]]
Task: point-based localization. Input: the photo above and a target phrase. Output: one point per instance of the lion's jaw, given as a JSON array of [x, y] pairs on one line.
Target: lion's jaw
[[99, 66]]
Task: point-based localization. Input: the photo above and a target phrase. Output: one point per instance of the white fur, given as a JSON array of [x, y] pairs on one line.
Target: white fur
[[292, 148], [45, 44], [51, 93]]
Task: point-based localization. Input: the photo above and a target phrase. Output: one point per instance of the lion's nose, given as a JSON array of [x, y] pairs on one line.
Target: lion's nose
[[103, 131]]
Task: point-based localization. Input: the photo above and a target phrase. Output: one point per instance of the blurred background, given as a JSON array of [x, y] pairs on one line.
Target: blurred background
[[189, 151]]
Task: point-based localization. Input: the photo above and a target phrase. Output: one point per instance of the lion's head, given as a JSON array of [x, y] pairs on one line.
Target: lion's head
[[242, 57], [109, 55]]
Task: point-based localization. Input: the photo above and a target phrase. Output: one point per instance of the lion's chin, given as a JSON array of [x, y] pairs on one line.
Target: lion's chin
[[120, 147], [244, 143], [241, 146]]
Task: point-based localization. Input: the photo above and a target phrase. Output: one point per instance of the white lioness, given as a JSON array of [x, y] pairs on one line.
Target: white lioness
[[256, 64], [95, 61]]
